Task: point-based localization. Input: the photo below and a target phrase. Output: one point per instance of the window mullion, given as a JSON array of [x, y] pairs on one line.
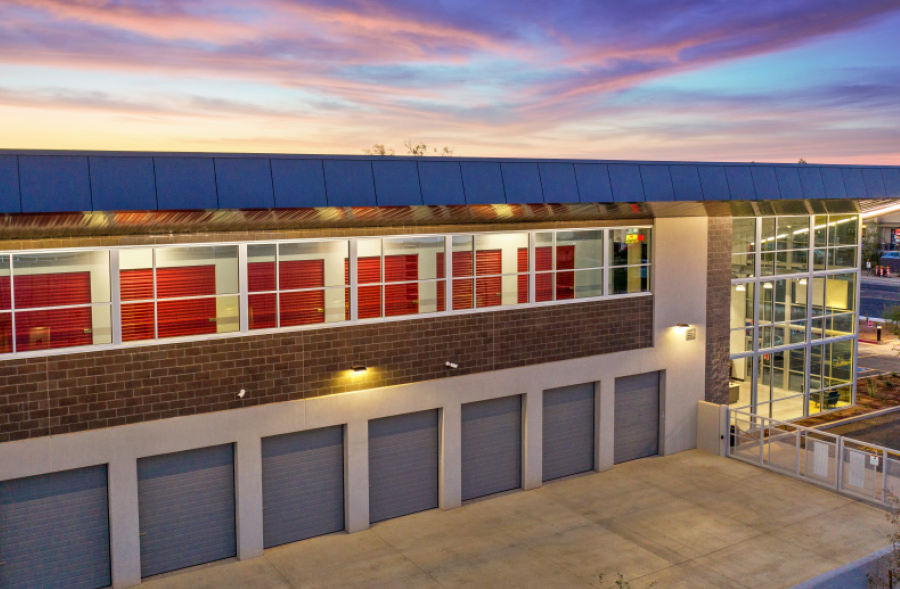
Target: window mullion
[[532, 266], [448, 268], [606, 253], [155, 298], [115, 297], [243, 297], [12, 303], [354, 282]]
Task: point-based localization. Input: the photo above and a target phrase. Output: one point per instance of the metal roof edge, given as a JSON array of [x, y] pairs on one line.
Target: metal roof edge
[[363, 157]]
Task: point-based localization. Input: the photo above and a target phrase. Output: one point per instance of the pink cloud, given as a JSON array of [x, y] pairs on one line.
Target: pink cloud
[[166, 20]]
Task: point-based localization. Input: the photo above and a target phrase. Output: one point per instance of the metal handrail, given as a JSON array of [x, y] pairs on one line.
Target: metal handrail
[[770, 430]]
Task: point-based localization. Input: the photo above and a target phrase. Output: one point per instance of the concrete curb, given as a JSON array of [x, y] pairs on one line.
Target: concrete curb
[[853, 575], [856, 418]]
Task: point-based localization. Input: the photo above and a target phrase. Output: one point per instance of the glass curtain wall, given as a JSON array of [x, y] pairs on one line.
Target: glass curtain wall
[[793, 314]]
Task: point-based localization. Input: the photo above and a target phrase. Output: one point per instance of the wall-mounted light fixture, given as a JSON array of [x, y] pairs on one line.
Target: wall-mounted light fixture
[[241, 394], [359, 368], [451, 365], [690, 333]]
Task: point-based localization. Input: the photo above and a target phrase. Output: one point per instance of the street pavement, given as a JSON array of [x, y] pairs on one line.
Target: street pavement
[[878, 358], [878, 295]]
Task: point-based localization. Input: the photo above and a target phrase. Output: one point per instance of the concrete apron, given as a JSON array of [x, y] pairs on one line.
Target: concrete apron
[[686, 520]]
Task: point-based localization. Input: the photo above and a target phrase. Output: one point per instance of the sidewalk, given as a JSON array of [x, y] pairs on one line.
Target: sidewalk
[[687, 520]]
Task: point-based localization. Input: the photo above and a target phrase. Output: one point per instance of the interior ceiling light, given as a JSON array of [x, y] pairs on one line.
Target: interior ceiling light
[[767, 285], [882, 211], [740, 288]]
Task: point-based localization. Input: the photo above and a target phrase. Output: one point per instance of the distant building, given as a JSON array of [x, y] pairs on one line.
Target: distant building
[[204, 355]]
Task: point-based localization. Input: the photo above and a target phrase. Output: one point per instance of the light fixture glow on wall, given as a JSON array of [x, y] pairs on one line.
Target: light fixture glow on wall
[[690, 333]]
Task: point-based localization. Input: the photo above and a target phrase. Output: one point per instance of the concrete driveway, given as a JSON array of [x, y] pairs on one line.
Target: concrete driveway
[[688, 520]]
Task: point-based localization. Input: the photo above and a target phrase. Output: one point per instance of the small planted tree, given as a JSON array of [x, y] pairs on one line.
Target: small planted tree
[[871, 247], [887, 575], [892, 320], [416, 149]]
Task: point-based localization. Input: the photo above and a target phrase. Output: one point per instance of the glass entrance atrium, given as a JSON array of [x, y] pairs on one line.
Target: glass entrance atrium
[[794, 292]]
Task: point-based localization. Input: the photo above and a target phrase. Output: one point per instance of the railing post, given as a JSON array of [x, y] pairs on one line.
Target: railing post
[[797, 433], [762, 442], [839, 464], [884, 475], [727, 432]]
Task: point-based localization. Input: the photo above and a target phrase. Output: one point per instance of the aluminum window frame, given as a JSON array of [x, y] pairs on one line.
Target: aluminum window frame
[[115, 302], [810, 274]]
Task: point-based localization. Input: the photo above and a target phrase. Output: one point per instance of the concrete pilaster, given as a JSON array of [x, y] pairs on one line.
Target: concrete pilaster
[[451, 456], [124, 523], [356, 476], [533, 439], [604, 423], [248, 491]]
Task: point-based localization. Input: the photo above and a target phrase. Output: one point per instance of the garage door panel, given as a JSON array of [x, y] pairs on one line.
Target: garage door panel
[[303, 485], [491, 446], [568, 431], [403, 464], [637, 417], [186, 508], [54, 530]]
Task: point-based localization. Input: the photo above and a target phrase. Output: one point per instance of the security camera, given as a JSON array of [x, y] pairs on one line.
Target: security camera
[[449, 364], [241, 394]]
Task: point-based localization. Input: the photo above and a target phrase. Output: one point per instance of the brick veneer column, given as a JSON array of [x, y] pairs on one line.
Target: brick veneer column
[[718, 306]]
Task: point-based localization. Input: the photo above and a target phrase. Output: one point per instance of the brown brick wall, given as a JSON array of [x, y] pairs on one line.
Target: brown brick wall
[[718, 308], [76, 392]]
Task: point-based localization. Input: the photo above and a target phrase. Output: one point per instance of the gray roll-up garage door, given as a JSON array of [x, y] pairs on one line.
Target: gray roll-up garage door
[[491, 446], [637, 416], [186, 508], [54, 530], [568, 432], [403, 464], [303, 485]]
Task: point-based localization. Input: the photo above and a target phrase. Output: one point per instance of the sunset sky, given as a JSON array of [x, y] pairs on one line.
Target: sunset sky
[[646, 79]]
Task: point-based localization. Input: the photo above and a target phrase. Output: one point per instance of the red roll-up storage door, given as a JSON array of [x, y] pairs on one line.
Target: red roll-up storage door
[[368, 271], [565, 281], [52, 290], [186, 317], [5, 298], [53, 328], [401, 299], [488, 291], [261, 308], [462, 267], [137, 318], [185, 281], [307, 307], [261, 276]]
